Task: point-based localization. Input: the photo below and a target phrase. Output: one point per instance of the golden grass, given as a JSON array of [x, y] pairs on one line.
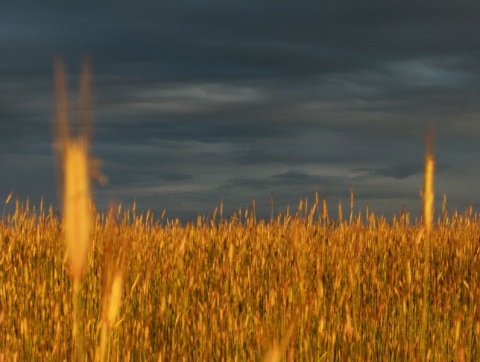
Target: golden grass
[[428, 188], [76, 209], [428, 209], [73, 156], [232, 289]]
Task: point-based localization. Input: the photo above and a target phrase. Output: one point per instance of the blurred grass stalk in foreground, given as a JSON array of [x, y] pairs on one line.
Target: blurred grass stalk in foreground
[[73, 155]]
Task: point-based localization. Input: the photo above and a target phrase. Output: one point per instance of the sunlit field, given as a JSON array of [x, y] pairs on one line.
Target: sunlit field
[[299, 286], [318, 282]]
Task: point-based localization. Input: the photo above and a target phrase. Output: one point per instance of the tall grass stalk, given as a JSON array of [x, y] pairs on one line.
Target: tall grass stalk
[[74, 154], [428, 202], [112, 285]]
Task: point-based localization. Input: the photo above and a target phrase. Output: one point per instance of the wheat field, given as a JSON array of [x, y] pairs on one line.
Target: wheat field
[[305, 286], [234, 288]]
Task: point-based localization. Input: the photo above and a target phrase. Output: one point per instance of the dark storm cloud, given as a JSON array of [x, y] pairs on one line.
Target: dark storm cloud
[[399, 171], [282, 40], [292, 178], [198, 101]]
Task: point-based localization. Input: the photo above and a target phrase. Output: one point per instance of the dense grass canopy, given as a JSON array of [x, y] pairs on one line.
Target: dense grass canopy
[[299, 287]]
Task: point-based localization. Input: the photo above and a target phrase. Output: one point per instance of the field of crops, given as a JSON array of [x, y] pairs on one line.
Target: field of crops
[[297, 287]]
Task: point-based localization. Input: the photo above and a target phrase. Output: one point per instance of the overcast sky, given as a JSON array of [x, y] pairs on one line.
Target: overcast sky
[[202, 101]]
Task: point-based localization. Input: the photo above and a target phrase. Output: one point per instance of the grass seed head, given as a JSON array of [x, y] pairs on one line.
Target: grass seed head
[[73, 156], [324, 209], [76, 205], [428, 193]]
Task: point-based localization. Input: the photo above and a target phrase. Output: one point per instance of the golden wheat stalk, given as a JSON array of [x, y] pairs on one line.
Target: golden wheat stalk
[[428, 198], [428, 178], [74, 157], [112, 288], [76, 206], [111, 306], [325, 210]]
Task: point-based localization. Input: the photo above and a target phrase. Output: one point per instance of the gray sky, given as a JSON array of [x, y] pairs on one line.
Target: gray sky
[[198, 102]]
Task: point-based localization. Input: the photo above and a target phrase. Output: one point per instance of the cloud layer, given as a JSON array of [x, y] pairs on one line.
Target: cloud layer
[[202, 102]]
